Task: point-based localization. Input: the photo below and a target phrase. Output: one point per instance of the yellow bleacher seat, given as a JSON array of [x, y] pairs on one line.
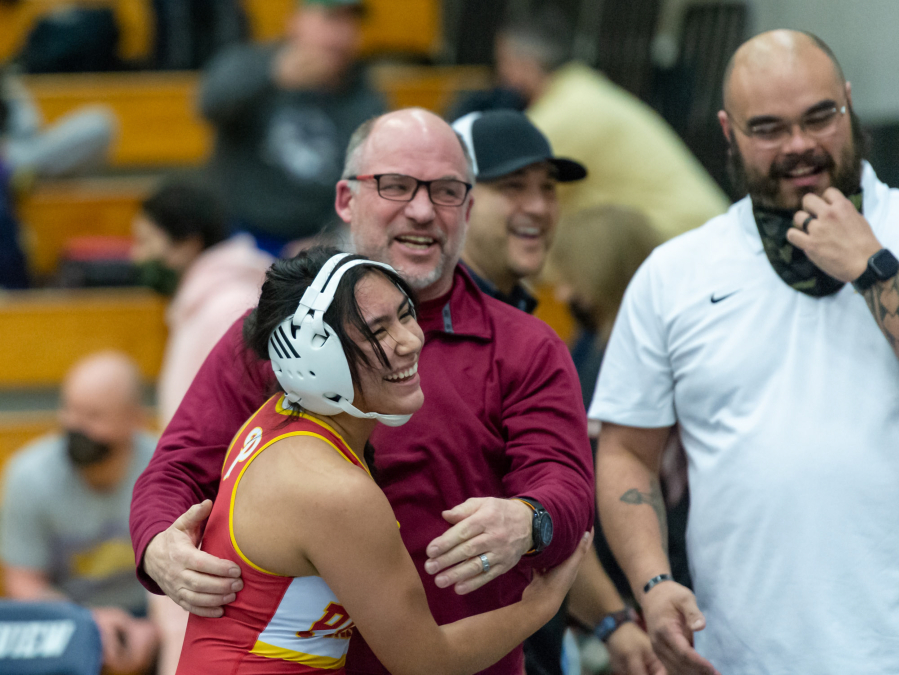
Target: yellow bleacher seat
[[44, 332], [405, 26], [160, 126], [158, 122]]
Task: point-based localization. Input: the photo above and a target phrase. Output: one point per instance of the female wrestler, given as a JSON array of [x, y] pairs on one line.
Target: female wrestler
[[297, 509]]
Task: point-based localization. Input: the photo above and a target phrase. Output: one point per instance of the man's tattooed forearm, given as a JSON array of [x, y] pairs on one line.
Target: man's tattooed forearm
[[655, 500], [883, 301]]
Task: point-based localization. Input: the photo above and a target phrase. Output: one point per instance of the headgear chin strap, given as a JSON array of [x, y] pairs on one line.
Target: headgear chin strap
[[307, 356]]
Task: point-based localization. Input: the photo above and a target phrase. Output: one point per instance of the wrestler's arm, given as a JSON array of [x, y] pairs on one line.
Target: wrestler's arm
[[550, 461], [167, 517], [310, 511], [840, 241]]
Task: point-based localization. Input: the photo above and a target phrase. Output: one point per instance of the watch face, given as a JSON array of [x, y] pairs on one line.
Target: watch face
[[546, 530], [606, 626], [884, 264]]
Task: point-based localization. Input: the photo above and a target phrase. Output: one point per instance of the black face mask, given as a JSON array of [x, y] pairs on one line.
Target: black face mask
[[157, 276], [790, 263], [85, 451]]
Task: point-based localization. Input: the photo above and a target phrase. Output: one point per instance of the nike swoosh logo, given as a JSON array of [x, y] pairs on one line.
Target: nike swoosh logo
[[723, 297]]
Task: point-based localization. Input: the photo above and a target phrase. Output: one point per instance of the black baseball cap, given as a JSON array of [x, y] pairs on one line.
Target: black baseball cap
[[503, 141]]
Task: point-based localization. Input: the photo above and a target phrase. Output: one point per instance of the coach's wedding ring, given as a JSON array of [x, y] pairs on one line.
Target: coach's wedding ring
[[806, 222], [485, 564]]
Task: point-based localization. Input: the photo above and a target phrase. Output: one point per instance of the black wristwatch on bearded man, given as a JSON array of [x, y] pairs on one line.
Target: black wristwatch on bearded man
[[882, 266]]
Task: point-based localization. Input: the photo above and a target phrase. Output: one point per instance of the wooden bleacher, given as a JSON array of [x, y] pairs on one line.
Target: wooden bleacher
[[44, 332], [156, 112], [159, 124]]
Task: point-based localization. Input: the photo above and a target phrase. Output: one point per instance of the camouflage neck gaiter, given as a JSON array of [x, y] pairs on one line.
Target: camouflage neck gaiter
[[790, 263]]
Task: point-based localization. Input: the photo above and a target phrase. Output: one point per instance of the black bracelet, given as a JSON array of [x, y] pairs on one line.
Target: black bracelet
[[657, 580]]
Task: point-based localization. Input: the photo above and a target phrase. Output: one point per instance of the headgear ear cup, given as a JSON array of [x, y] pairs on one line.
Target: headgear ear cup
[[306, 354]]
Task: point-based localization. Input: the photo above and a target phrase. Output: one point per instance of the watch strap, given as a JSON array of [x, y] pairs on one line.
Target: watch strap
[[537, 509], [613, 621]]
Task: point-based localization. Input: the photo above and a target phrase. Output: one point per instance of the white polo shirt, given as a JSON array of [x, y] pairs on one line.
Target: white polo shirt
[[788, 407]]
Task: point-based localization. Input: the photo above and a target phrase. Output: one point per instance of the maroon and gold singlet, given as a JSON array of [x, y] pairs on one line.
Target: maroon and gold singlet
[[277, 625]]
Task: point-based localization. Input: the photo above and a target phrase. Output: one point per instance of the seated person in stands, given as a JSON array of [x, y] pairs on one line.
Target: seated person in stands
[[65, 509], [317, 542], [283, 115], [74, 143], [181, 248]]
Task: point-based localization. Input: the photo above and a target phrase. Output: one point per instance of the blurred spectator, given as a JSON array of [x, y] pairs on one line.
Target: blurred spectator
[[65, 509], [633, 157], [593, 258], [181, 249], [283, 115], [189, 32], [75, 142]]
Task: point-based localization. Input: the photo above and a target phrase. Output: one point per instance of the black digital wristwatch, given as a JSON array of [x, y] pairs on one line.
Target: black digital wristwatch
[[541, 528], [881, 266]]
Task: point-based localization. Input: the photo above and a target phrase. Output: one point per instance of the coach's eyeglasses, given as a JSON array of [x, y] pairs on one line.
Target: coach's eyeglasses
[[400, 188], [819, 122]]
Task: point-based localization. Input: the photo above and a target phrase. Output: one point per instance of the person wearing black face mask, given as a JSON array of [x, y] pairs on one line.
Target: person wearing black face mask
[[181, 249], [760, 338], [85, 451], [65, 509]]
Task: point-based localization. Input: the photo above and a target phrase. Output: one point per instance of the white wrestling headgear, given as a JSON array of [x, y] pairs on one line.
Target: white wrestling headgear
[[307, 356]]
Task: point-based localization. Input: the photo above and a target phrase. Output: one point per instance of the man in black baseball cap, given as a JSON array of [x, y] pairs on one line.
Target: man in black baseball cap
[[515, 209], [513, 220]]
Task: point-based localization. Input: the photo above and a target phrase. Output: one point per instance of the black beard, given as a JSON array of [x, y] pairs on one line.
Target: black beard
[[764, 190]]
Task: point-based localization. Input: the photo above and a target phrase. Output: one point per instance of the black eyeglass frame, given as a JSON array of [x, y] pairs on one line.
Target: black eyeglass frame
[[418, 183]]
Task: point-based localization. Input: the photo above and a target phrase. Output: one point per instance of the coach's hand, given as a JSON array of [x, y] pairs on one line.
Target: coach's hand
[[672, 617], [199, 582], [834, 235], [500, 529]]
